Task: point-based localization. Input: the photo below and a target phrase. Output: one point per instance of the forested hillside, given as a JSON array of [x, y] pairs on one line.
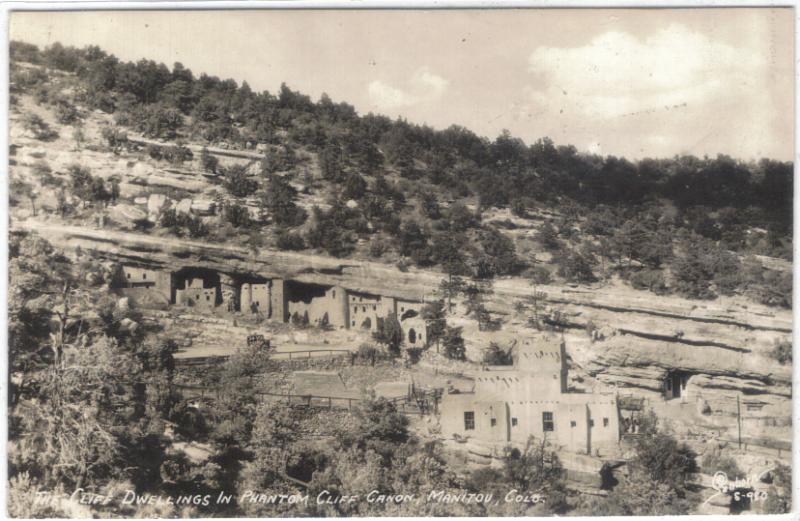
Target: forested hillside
[[334, 181]]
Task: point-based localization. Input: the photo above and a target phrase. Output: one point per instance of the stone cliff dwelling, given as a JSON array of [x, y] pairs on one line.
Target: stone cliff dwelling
[[198, 288], [530, 398], [280, 300], [368, 311], [144, 285], [316, 304]]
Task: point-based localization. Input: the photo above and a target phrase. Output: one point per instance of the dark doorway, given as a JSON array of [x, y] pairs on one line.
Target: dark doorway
[[675, 384], [412, 336]]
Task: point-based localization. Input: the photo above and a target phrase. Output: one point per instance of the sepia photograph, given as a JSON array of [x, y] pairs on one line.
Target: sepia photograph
[[399, 262]]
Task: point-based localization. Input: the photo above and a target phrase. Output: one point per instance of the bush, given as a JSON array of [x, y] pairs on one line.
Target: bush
[[779, 498], [369, 353], [494, 355], [776, 289], [782, 352], [66, 113], [377, 248], [652, 280], [154, 151], [237, 215], [177, 154], [453, 343], [414, 354], [39, 128], [178, 222], [114, 137], [548, 237], [519, 208], [156, 120], [238, 183], [289, 241], [541, 275], [713, 461], [575, 267]]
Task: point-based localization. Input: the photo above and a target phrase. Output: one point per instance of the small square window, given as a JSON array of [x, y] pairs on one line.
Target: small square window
[[469, 421], [573, 424], [591, 423], [129, 275], [605, 422], [354, 322], [494, 422], [513, 422], [208, 298]]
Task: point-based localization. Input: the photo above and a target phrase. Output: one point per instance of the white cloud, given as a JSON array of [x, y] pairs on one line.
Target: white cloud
[[387, 97], [434, 84], [617, 74], [422, 86]]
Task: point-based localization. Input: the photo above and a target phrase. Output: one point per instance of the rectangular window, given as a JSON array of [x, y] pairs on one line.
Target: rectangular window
[[334, 293], [572, 424], [469, 421], [547, 422], [605, 422], [591, 423], [513, 422], [129, 275], [494, 422], [144, 276]]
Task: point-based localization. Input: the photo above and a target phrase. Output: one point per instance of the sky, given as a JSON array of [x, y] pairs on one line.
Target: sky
[[635, 83]]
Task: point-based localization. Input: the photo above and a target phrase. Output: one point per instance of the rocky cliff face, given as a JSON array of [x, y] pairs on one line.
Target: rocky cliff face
[[615, 335]]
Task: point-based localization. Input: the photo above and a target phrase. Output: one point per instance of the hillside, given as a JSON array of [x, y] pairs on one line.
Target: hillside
[[287, 173], [164, 196], [660, 286]]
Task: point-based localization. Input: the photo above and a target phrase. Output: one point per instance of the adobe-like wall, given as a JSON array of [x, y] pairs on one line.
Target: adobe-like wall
[[320, 304], [254, 296], [277, 298]]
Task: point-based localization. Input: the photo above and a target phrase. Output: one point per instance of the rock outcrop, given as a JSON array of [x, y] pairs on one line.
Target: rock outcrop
[[722, 346]]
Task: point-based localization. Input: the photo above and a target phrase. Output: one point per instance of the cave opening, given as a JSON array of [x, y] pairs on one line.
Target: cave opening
[[304, 292]]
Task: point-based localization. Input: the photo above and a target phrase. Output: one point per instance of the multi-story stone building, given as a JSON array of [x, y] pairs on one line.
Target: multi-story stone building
[[530, 398]]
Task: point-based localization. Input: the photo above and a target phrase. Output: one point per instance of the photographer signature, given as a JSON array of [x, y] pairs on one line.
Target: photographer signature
[[736, 487]]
